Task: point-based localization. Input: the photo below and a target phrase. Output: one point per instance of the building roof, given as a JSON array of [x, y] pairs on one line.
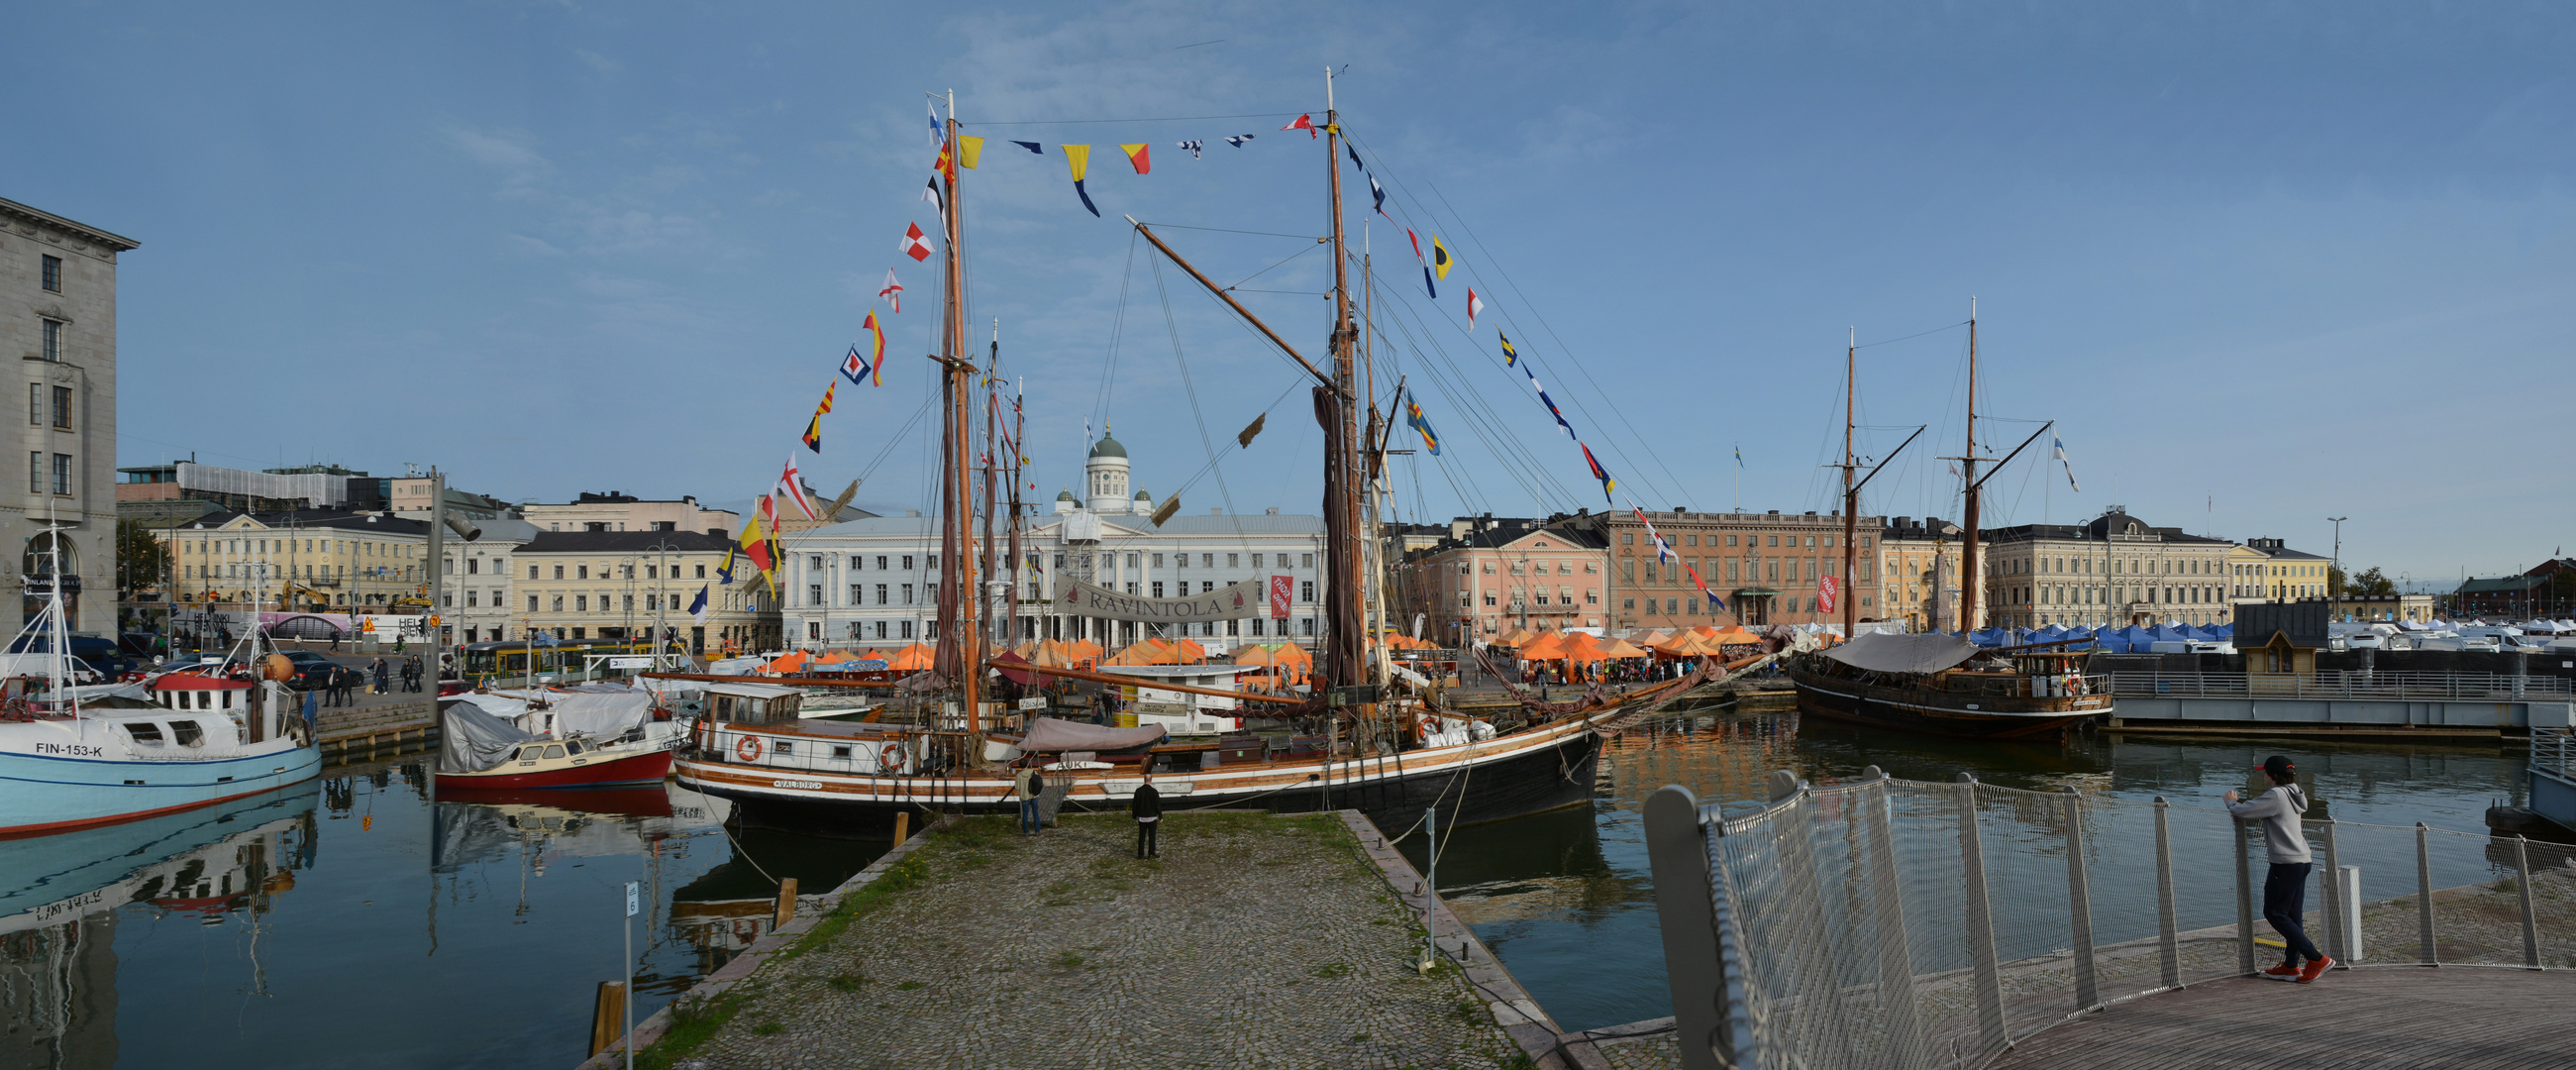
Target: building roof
[[634, 542], [1506, 532], [2502, 584], [339, 519], [114, 242], [507, 529], [1108, 447], [1064, 495]]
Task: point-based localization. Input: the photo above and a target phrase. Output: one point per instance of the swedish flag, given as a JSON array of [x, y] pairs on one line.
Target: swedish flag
[[1413, 418]]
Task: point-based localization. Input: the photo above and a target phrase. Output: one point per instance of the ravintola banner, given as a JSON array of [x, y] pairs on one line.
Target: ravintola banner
[[1236, 602]]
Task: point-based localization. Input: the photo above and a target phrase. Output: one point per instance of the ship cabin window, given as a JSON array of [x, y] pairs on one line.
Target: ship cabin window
[[532, 754], [187, 733], [840, 752], [572, 747], [144, 732], [786, 746], [556, 751]]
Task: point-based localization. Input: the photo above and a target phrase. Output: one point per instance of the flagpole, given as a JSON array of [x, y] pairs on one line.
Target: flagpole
[[1851, 493]]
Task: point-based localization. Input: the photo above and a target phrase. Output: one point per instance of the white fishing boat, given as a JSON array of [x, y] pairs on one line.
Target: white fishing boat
[[64, 766]]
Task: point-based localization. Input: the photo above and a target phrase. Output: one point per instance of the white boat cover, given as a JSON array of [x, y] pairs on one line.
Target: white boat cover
[[471, 741], [1048, 735], [1884, 652]]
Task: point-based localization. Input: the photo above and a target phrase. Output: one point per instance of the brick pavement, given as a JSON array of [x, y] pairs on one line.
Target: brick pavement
[[1255, 941]]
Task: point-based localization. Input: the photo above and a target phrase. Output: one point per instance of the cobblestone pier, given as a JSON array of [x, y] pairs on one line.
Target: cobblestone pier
[[1254, 941]]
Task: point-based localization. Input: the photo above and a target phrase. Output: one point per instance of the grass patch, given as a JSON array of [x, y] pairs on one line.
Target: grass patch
[[768, 1027], [1069, 960], [1333, 969], [908, 986], [693, 1023], [987, 832], [896, 879], [847, 982]]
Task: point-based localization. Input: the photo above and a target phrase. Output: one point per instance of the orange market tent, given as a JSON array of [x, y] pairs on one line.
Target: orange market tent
[[1145, 652], [1548, 647], [1517, 637], [1689, 644], [1047, 652], [914, 658], [786, 664], [1621, 648], [1085, 649]]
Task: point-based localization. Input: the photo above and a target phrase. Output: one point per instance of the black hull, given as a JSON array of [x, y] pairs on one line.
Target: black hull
[[1544, 779], [1928, 713]]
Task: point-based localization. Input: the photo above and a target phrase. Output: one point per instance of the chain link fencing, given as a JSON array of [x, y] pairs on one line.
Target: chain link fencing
[[1914, 925]]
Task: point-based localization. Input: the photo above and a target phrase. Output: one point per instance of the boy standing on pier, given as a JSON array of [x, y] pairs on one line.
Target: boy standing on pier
[[1029, 788], [2285, 891]]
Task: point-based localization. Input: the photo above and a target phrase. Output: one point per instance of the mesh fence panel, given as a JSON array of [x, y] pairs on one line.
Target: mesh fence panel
[[1865, 941]]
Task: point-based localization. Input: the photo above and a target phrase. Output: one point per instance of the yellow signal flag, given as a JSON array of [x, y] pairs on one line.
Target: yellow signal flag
[[1077, 157], [1440, 261], [970, 149]]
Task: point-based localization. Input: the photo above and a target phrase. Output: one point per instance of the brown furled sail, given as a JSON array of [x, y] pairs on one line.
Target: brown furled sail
[[1343, 662]]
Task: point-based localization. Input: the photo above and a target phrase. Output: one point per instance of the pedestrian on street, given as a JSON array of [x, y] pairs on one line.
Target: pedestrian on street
[[2285, 891], [348, 679], [1029, 785], [411, 674], [1147, 807], [383, 676]]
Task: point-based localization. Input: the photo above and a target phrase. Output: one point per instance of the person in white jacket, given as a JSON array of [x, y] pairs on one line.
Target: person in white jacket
[[2285, 891]]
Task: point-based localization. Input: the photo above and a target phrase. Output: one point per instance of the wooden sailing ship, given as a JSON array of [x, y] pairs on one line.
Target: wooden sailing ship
[[1364, 739], [1941, 684]]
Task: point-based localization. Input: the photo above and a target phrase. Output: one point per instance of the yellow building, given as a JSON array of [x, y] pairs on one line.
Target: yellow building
[[1920, 559], [622, 584], [310, 559]]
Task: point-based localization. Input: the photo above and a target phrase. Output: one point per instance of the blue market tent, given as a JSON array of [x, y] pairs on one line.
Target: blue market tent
[[1991, 637]]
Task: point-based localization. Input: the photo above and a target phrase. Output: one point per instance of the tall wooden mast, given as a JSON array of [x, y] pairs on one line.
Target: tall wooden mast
[[958, 634], [1342, 639], [1971, 585], [1850, 594]]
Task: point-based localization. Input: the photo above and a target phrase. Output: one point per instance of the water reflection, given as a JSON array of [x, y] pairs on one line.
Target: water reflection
[[61, 899], [1565, 900], [497, 912]]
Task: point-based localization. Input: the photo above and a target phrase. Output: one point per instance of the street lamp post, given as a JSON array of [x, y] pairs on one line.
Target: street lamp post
[[2334, 572]]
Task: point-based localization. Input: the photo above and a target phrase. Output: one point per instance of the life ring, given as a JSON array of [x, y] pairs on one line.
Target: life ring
[[892, 758], [1430, 726], [749, 748]]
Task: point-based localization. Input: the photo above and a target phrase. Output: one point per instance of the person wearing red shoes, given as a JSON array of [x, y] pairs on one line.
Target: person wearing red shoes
[[2285, 891]]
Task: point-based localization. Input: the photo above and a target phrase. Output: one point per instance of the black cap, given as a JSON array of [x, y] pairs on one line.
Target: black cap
[[2278, 767]]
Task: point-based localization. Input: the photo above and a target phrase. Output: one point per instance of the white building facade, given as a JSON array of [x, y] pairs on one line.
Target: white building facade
[[875, 581]]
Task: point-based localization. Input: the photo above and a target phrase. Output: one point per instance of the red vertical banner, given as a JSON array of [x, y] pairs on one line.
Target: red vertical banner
[[1279, 597], [1825, 590]]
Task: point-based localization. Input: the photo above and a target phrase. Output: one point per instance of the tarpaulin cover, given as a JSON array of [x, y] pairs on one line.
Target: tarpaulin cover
[[1048, 735], [471, 741], [1884, 652], [602, 713]]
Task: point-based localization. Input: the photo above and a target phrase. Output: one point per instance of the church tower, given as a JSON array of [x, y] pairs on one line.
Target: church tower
[[1105, 477]]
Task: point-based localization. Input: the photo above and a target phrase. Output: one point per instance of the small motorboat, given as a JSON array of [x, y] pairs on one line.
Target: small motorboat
[[565, 763]]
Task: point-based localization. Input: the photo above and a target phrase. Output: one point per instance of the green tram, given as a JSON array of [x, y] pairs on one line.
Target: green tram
[[482, 662]]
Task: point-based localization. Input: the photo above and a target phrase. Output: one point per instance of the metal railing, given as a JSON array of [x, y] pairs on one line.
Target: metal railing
[[2554, 750], [2386, 685], [1927, 926]]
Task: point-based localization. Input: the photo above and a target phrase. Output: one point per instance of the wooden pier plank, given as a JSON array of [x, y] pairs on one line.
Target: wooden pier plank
[[2367, 1018]]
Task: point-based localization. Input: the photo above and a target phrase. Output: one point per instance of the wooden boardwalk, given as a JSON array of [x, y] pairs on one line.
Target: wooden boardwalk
[[2374, 1017]]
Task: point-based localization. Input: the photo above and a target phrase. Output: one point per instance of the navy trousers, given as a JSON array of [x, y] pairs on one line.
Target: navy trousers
[[2285, 899]]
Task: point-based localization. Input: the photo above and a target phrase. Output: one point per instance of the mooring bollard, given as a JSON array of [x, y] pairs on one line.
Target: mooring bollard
[[786, 902], [902, 822], [607, 1016]]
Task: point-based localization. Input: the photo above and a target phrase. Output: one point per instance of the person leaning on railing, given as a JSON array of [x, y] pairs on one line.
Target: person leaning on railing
[[2285, 890]]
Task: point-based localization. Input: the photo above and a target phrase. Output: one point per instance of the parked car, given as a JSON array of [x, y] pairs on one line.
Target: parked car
[[311, 670], [98, 652]]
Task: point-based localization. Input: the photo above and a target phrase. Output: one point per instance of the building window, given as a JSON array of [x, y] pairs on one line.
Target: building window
[[1229, 561], [63, 407], [1158, 584], [581, 603], [1305, 561], [35, 404], [813, 594], [1306, 592], [62, 473], [35, 472], [907, 594], [858, 595], [907, 562], [53, 340], [881, 598], [557, 604], [53, 273]]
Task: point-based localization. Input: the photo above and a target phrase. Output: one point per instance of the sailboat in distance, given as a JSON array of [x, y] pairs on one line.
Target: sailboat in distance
[[1360, 738]]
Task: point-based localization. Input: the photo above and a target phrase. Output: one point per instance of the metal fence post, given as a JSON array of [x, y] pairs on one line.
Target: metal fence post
[[2522, 883], [2244, 901], [1895, 960], [2427, 954], [1981, 925], [2168, 940], [2079, 904], [2336, 947], [1687, 908]]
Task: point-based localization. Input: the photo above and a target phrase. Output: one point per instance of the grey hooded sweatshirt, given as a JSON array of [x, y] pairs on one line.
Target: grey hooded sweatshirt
[[2280, 809]]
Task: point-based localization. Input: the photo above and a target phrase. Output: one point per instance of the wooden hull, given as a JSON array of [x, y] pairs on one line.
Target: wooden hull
[[1527, 772], [645, 767], [1941, 713]]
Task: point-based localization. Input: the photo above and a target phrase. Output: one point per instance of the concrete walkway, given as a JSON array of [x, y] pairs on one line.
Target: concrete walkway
[[1255, 941]]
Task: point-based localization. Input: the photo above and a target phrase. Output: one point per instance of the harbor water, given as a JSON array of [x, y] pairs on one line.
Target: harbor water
[[354, 921]]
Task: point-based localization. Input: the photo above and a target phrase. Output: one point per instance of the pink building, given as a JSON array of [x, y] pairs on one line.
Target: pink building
[[1497, 575]]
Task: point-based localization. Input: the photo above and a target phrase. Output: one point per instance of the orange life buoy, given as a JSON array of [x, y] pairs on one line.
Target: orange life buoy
[[1430, 725], [892, 757], [749, 748]]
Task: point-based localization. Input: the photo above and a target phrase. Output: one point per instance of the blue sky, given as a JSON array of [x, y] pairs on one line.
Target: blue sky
[[2263, 263]]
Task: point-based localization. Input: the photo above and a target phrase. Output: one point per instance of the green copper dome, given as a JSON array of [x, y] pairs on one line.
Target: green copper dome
[[1108, 447], [1064, 495], [1144, 497]]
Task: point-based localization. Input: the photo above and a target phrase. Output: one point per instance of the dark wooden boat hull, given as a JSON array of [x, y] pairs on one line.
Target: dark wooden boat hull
[[1930, 712]]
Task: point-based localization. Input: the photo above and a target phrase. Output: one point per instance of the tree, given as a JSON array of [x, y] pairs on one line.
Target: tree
[[141, 558], [2371, 583]]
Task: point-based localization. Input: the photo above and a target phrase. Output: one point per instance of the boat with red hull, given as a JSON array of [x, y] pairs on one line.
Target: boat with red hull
[[558, 763]]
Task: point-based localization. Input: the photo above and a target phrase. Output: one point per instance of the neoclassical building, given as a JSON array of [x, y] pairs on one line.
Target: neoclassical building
[[875, 580], [2117, 570], [58, 315]]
